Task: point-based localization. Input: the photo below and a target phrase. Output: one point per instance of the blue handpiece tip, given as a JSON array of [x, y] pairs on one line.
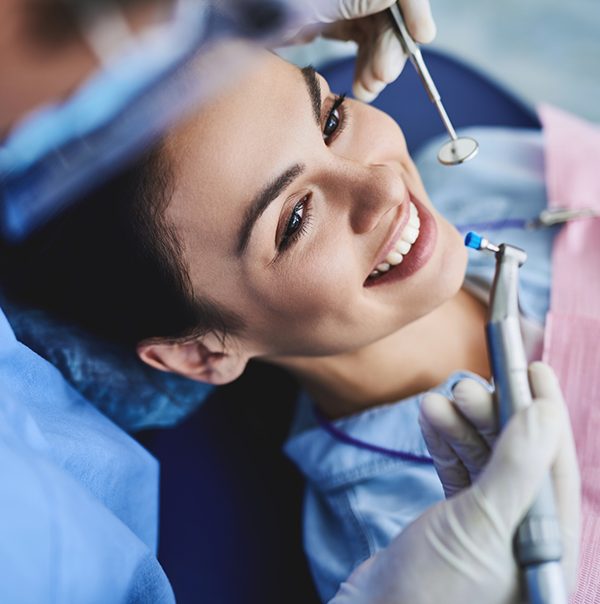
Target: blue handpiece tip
[[473, 240]]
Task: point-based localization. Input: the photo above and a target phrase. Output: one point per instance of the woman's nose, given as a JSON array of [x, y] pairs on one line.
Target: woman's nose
[[371, 192]]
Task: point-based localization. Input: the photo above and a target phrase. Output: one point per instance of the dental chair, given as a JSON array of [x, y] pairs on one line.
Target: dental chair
[[230, 501]]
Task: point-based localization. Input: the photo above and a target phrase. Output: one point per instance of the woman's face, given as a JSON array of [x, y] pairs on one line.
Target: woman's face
[[287, 201]]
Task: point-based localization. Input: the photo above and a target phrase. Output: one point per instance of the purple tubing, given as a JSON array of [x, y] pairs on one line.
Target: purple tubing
[[349, 440]]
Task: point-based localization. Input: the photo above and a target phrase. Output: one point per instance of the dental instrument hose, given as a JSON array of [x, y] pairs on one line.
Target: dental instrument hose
[[537, 541]]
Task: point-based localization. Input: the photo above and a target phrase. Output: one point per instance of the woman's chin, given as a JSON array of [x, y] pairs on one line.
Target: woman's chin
[[452, 258]]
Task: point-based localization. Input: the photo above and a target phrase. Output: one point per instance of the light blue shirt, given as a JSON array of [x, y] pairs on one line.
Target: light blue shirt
[[358, 500], [78, 496]]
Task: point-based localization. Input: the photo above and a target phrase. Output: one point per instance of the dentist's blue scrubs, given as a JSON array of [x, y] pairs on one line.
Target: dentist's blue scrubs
[[78, 496]]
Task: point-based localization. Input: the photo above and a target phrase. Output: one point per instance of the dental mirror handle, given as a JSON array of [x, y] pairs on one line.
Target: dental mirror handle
[[411, 48], [537, 541]]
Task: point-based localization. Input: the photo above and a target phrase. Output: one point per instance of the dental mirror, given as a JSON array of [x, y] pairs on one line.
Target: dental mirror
[[457, 150]]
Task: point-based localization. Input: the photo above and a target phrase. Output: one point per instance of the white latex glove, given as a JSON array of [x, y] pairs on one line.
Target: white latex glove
[[459, 433], [460, 550], [380, 57]]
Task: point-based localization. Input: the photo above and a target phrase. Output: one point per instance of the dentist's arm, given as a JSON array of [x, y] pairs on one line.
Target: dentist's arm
[[380, 57], [460, 550]]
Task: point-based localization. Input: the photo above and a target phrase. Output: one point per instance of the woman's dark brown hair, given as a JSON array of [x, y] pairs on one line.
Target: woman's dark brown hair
[[114, 265]]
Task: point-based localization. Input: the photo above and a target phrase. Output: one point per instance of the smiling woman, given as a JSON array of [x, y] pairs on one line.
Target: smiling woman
[[280, 222], [286, 200]]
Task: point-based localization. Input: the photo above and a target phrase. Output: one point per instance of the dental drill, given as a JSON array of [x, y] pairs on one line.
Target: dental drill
[[456, 150], [537, 541]]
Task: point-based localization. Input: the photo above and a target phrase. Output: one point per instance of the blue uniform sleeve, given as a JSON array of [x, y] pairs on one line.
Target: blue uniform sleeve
[[78, 496]]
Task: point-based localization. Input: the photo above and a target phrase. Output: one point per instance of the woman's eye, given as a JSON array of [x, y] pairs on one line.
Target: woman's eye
[[297, 224], [295, 220], [335, 120], [332, 123]]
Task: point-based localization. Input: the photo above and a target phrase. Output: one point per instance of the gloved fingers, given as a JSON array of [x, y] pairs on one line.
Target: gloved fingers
[[328, 11], [544, 383], [451, 471], [419, 20], [565, 471], [462, 436], [523, 453], [379, 61], [343, 19], [380, 57], [459, 445], [477, 405], [417, 14]]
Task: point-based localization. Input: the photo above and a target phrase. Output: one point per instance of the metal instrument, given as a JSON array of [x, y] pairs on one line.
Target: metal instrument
[[537, 540], [554, 216], [457, 150]]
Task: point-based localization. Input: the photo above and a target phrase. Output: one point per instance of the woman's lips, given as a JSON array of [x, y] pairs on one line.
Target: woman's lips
[[420, 252]]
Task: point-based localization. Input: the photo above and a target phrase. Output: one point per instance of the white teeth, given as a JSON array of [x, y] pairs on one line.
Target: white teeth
[[414, 221], [403, 245], [394, 258], [409, 234]]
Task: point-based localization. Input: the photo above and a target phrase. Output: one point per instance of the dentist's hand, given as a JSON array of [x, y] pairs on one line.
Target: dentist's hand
[[460, 550], [380, 57]]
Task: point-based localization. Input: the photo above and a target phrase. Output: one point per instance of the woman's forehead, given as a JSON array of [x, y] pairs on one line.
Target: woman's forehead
[[263, 84], [238, 141], [246, 135]]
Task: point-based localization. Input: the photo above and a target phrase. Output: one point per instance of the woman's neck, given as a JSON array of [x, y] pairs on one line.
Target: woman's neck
[[414, 359]]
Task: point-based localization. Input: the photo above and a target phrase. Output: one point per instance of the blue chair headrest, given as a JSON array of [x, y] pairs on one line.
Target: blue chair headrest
[[110, 375]]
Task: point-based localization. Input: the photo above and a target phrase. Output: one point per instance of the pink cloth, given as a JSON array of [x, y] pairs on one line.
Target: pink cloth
[[572, 335]]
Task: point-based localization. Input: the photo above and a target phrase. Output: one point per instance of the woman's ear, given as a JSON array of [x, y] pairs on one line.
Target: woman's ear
[[205, 359]]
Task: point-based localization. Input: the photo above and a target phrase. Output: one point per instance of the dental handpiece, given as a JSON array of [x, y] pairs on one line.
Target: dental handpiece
[[457, 150], [537, 540]]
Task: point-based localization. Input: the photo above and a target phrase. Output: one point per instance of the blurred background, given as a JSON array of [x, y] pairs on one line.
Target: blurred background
[[542, 50]]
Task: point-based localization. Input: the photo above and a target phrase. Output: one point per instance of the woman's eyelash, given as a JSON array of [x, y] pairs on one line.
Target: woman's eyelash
[[297, 223], [334, 124]]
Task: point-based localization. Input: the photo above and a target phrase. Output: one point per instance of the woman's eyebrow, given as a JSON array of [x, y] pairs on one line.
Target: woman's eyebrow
[[314, 90], [273, 189], [261, 202]]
